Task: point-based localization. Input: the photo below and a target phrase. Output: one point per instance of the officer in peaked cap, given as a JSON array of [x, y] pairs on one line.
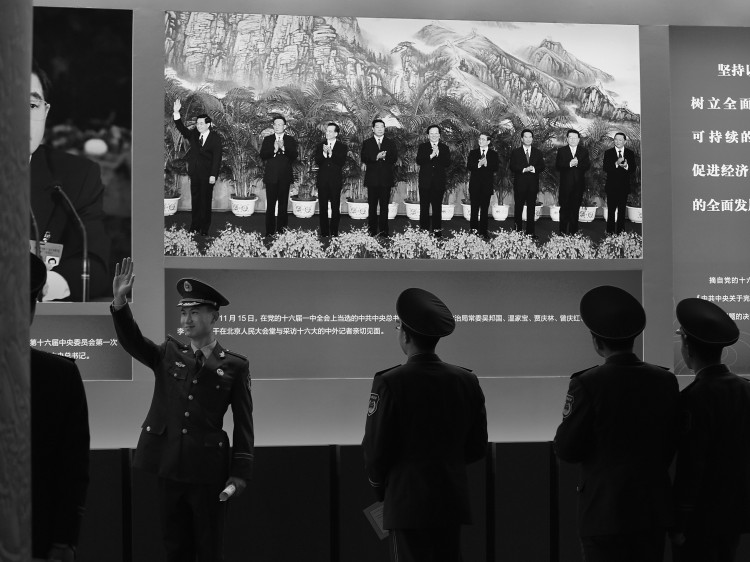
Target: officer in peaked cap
[[182, 441], [620, 424], [59, 445], [712, 479], [426, 420]]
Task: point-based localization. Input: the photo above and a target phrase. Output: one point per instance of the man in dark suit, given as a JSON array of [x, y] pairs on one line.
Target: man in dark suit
[[279, 151], [572, 162], [59, 446], [433, 158], [330, 155], [54, 173], [712, 478], [204, 160], [619, 163], [379, 155], [182, 440], [620, 423], [527, 165], [425, 422], [482, 164]]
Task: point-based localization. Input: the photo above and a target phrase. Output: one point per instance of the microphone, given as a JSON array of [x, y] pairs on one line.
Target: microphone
[[85, 277], [227, 493], [35, 226]]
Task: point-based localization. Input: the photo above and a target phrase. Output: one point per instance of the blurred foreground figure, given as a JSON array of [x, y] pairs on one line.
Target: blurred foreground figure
[[59, 446], [426, 421], [712, 481], [620, 423]]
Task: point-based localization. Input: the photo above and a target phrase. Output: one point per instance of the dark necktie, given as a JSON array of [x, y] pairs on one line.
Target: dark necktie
[[199, 359], [203, 140], [482, 153], [527, 151]]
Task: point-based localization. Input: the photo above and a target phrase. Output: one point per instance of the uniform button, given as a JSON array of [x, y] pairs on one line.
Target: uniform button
[[217, 387], [195, 381], [190, 396], [175, 375], [187, 414], [148, 428], [184, 430], [221, 445]]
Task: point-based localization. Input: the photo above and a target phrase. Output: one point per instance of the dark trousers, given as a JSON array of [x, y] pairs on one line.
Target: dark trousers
[[378, 195], [646, 546], [570, 205], [524, 197], [431, 197], [192, 521], [329, 226], [201, 194], [707, 547], [442, 544], [480, 206], [616, 200], [276, 192]]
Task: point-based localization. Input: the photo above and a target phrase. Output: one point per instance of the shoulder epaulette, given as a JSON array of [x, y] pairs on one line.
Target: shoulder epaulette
[[574, 375], [180, 344], [230, 352], [386, 370]]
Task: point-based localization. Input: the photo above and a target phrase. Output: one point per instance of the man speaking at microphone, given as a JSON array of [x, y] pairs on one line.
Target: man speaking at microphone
[[54, 173]]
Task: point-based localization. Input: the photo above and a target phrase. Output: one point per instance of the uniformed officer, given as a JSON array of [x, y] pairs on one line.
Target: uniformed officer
[[425, 422], [59, 446], [712, 480], [182, 440], [620, 423]]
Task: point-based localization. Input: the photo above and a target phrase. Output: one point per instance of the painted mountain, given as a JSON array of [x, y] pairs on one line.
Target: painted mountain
[[265, 51]]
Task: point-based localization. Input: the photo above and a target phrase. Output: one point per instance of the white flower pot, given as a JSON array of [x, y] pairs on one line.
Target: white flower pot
[[537, 212], [170, 206], [358, 209], [392, 210], [304, 209], [554, 213], [243, 207], [635, 214], [412, 211], [448, 212], [587, 214], [467, 210], [500, 212]]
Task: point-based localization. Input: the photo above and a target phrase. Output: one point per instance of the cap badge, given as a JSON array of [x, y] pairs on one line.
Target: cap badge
[[187, 286]]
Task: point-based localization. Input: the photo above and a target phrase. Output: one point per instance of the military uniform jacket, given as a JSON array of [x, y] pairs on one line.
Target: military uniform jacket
[[182, 438], [426, 421], [712, 481], [59, 451], [621, 423]]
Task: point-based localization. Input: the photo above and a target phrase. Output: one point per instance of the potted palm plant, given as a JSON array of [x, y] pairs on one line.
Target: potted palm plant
[[303, 199], [503, 192]]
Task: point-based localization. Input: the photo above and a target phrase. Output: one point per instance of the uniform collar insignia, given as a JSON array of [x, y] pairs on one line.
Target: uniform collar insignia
[[221, 354]]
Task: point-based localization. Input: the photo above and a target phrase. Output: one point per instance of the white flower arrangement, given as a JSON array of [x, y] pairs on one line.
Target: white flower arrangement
[[355, 244], [180, 242], [297, 243], [466, 246], [414, 243], [234, 242], [513, 245], [627, 245], [571, 247]]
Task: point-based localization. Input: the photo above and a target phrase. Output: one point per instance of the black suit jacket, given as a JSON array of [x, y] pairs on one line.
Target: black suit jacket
[[80, 178], [712, 480], [278, 165], [59, 451], [621, 423], [482, 177], [575, 177], [425, 423], [204, 160], [379, 173], [191, 448], [329, 169], [529, 180], [618, 178], [433, 171]]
